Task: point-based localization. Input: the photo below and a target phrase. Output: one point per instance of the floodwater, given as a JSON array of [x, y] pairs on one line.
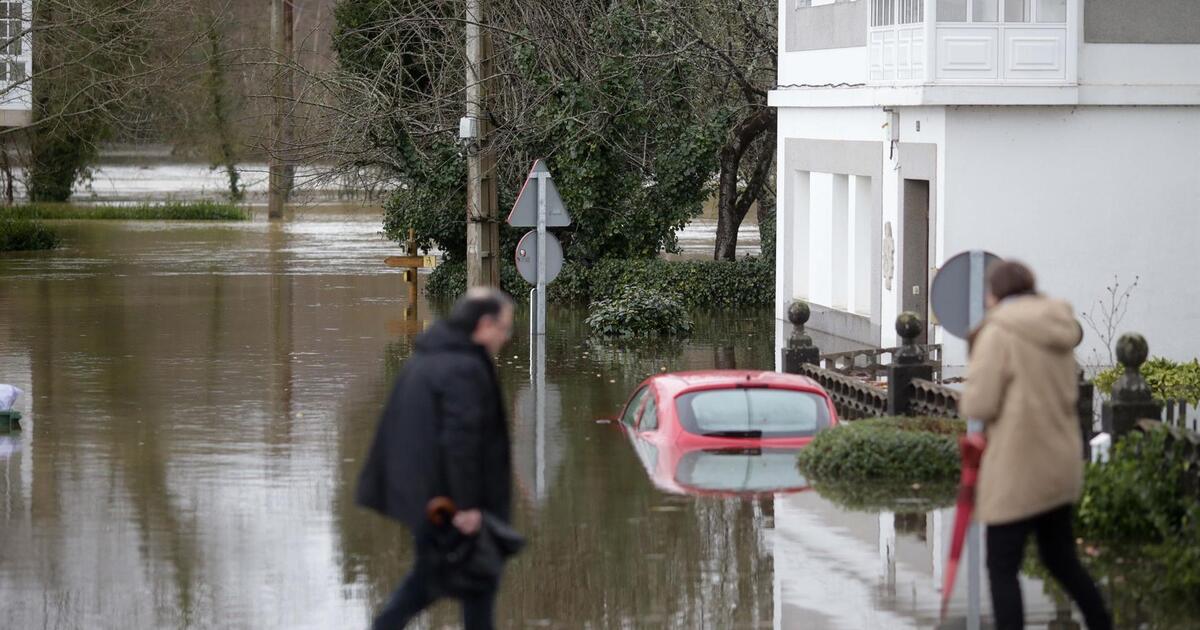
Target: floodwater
[[200, 399]]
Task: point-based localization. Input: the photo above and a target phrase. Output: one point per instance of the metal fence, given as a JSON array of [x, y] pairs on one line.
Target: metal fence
[[1181, 414]]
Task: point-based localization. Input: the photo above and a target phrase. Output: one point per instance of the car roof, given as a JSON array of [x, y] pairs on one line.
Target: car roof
[[676, 382]]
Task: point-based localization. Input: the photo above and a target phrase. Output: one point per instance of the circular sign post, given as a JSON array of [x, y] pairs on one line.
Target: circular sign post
[[527, 257], [958, 289], [957, 299]]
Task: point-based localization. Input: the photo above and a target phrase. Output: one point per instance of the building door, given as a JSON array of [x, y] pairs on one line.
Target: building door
[[914, 270]]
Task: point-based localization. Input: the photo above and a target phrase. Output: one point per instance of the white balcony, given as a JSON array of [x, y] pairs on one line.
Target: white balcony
[[974, 42]]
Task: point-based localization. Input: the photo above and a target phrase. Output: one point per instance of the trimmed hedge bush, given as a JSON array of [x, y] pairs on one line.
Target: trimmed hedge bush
[[709, 283], [173, 211], [20, 235], [640, 312], [897, 450], [1167, 379]]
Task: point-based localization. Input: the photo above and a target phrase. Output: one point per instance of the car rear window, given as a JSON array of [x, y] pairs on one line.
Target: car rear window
[[752, 413]]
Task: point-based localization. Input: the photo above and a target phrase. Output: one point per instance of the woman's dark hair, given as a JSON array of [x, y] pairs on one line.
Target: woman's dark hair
[[475, 305], [1009, 278]]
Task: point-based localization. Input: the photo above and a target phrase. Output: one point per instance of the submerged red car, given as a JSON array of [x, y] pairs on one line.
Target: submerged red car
[[725, 431]]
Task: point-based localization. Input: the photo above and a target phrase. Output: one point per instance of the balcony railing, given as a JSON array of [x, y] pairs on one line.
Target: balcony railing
[[973, 41]]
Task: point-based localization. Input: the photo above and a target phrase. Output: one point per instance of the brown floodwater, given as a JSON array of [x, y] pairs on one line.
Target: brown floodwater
[[199, 399]]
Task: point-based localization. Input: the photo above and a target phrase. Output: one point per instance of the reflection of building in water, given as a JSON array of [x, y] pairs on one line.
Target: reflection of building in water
[[841, 569]]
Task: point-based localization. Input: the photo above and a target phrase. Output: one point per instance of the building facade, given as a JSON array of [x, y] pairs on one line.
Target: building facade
[[16, 59], [1064, 133]]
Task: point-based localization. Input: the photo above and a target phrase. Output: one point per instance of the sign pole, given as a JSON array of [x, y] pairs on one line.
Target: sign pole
[[541, 254], [975, 306]]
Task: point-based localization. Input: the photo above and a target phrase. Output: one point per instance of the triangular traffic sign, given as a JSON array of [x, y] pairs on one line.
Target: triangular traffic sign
[[525, 210]]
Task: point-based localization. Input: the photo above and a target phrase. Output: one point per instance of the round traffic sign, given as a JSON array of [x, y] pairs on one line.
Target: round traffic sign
[[955, 286], [527, 263]]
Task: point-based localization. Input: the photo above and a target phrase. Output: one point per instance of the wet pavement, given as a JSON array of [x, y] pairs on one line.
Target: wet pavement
[[200, 398]]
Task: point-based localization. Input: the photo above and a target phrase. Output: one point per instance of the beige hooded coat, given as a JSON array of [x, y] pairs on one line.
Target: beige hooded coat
[[1022, 382]]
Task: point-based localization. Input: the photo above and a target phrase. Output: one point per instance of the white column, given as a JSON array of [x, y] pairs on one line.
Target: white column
[[798, 236], [860, 245], [820, 239], [840, 243], [887, 549]]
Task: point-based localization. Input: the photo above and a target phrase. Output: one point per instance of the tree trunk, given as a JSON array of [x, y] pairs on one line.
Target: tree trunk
[[732, 204]]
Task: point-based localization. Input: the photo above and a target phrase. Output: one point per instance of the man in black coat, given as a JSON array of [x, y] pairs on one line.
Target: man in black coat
[[444, 434]]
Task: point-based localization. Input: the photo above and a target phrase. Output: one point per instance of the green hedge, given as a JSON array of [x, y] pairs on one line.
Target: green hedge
[[709, 283], [18, 235], [640, 312], [1167, 379], [1140, 525], [173, 211], [898, 450]]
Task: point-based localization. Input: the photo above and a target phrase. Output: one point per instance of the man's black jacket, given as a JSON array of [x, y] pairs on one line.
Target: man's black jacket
[[443, 433]]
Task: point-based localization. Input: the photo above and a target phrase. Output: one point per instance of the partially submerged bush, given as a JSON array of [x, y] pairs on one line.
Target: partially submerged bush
[[1167, 379], [639, 312], [892, 449], [449, 280], [19, 235]]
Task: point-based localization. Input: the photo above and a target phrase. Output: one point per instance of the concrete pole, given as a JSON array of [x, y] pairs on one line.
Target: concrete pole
[[483, 229], [281, 44]]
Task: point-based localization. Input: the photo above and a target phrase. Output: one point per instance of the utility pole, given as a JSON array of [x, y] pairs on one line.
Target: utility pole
[[483, 225], [282, 18]]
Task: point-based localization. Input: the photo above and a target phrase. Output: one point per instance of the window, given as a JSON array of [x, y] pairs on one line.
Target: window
[[1052, 11], [1018, 10], [952, 10], [631, 409], [649, 421], [985, 10], [11, 28], [752, 413]]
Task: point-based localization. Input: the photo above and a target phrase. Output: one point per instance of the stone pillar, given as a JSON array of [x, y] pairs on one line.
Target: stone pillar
[[1131, 398], [907, 364], [800, 349]]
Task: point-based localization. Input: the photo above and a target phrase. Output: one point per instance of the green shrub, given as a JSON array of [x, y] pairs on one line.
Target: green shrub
[[174, 211], [449, 280], [17, 235], [711, 283], [893, 449], [1139, 495], [640, 312], [695, 283], [1167, 379]]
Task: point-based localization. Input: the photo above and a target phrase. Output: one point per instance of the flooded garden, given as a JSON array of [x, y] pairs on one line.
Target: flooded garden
[[200, 397]]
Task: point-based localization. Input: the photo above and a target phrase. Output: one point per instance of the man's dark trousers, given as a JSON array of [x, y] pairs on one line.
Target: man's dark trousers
[[415, 595]]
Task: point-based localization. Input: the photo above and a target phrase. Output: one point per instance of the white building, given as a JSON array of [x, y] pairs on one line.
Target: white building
[[1064, 133], [16, 58]]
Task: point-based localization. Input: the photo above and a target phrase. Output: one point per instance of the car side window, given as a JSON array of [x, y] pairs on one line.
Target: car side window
[[649, 421], [631, 409]]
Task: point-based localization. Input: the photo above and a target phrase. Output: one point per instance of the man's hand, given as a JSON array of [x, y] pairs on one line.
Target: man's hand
[[468, 521]]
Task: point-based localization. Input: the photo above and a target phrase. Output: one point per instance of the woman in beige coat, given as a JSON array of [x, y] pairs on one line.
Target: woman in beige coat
[[1021, 382]]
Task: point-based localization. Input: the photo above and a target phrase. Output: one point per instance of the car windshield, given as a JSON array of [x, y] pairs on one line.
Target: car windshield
[[753, 413]]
